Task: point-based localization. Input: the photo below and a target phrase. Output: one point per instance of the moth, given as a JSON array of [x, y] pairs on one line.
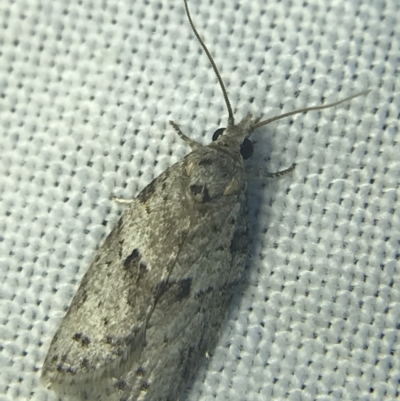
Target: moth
[[153, 300]]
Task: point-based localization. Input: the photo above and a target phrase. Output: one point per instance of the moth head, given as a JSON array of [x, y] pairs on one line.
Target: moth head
[[237, 136], [246, 147]]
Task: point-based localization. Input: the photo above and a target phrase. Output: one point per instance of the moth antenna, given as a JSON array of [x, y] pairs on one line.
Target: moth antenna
[[231, 119], [307, 109]]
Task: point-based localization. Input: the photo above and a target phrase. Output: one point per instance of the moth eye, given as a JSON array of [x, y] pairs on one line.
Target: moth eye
[[246, 149], [217, 134]]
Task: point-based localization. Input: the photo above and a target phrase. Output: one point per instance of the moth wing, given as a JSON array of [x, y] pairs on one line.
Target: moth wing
[[105, 326], [152, 302], [185, 324], [191, 304]]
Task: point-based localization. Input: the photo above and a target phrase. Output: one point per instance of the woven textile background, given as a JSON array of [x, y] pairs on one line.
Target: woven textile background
[[87, 88]]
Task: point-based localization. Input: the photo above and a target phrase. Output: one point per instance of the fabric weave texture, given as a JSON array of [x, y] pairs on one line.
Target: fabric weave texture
[[87, 89]]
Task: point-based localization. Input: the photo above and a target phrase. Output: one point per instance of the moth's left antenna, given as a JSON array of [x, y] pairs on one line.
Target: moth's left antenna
[[231, 119]]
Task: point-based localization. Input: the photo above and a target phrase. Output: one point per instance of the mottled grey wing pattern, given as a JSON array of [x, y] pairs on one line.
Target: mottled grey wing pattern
[[153, 288], [121, 281], [191, 308]]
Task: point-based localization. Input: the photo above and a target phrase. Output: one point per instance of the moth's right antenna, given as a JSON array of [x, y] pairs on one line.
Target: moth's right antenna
[[307, 109], [231, 119]]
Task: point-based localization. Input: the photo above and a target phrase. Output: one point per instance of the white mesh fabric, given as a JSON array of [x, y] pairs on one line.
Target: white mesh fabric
[[87, 89]]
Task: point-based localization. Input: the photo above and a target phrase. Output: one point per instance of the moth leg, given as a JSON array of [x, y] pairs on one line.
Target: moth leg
[[193, 144], [281, 173], [121, 200]]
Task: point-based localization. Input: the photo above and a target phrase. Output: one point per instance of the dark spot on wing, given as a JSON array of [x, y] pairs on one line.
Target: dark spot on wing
[[184, 287], [81, 338], [142, 269], [144, 386], [62, 368], [174, 291], [132, 260], [84, 363], [200, 193], [140, 372], [120, 384], [71, 371], [202, 293], [135, 267]]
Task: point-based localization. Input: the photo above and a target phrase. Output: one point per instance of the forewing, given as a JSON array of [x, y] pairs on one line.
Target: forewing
[[191, 304], [152, 302], [105, 324], [186, 321]]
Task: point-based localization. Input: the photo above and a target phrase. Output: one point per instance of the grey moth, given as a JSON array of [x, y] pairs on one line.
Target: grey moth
[[153, 300]]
